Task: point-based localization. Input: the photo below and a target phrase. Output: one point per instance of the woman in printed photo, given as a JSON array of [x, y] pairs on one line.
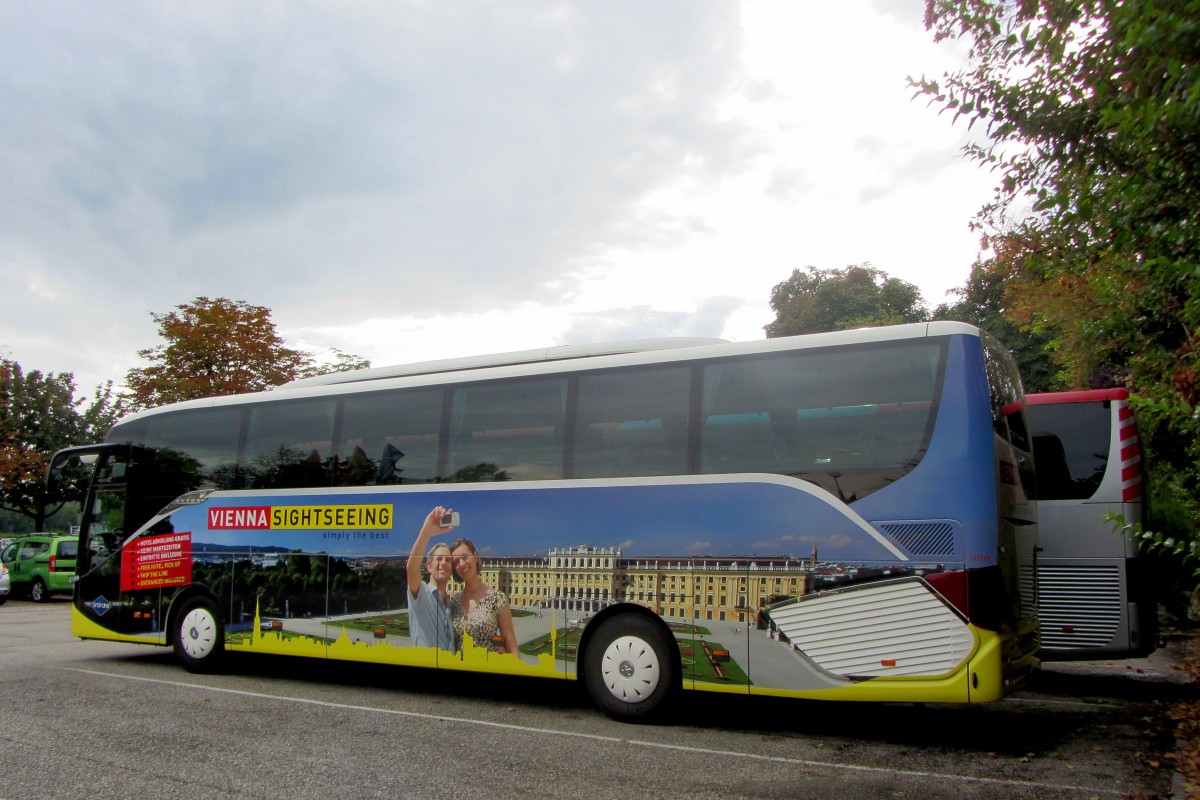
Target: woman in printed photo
[[483, 612]]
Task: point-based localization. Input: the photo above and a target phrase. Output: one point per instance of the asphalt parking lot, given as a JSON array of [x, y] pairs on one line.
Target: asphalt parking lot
[[99, 719]]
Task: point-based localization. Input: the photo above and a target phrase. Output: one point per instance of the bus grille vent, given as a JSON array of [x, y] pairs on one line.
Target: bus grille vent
[[923, 538], [893, 628], [1080, 606], [1027, 583]]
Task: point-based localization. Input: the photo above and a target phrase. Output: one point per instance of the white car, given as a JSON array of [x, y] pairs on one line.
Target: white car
[[5, 583]]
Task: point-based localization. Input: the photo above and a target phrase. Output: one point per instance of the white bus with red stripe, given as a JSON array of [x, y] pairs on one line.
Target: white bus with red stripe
[[1096, 597]]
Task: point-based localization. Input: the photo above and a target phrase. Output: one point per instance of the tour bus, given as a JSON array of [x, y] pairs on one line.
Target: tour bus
[[847, 516], [1095, 589]]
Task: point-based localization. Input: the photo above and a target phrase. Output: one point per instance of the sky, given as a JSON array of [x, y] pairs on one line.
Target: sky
[[410, 180]]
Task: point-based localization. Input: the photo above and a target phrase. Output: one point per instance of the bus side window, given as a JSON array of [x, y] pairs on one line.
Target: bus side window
[[739, 443], [852, 423], [389, 437], [746, 429], [288, 445], [632, 423], [199, 447], [508, 430]]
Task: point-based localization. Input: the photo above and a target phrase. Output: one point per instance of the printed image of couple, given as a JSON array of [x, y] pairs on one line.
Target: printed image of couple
[[437, 619]]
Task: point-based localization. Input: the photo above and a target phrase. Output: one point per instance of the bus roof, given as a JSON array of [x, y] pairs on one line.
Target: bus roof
[[562, 353], [558, 360], [1082, 396]]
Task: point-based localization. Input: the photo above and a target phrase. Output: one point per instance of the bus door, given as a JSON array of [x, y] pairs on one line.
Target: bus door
[[99, 473], [128, 487]]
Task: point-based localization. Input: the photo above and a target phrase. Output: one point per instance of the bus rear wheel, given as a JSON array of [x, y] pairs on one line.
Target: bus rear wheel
[[199, 639], [630, 668]]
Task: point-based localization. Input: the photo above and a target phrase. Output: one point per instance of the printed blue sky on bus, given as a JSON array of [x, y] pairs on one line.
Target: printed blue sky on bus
[[678, 519]]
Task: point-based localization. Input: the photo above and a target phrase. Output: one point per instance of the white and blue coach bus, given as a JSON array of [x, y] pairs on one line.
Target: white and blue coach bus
[[846, 516]]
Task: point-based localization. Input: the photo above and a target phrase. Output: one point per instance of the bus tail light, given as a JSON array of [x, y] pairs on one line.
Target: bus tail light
[[977, 593], [987, 598], [952, 586]]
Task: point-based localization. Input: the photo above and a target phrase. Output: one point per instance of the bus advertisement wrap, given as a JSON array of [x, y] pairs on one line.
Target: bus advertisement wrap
[[742, 623], [846, 516], [156, 562], [301, 518]]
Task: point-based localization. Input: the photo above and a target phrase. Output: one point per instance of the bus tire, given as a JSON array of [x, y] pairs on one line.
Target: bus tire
[[199, 639], [630, 668]]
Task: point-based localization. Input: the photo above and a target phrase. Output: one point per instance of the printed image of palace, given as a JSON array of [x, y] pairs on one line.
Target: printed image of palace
[[586, 579]]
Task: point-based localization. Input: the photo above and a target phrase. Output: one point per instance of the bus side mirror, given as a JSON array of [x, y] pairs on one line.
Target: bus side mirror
[[54, 473]]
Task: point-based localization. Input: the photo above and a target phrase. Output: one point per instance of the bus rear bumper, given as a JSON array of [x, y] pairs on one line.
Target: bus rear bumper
[[1003, 664]]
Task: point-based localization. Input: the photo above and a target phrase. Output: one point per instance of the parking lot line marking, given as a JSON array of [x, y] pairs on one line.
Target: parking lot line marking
[[704, 751]]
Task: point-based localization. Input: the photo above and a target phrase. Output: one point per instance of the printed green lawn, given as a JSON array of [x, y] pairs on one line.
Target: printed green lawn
[[392, 624], [244, 637], [699, 667]]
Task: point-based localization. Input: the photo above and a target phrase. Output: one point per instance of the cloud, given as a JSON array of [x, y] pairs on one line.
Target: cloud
[[801, 545], [337, 159], [907, 12], [789, 185], [409, 180], [644, 322], [921, 168]]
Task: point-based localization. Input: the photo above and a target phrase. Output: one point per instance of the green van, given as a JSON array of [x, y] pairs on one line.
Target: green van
[[41, 564]]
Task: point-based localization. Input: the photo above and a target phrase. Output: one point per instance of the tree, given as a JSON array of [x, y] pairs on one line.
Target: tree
[[815, 300], [982, 302], [39, 415], [219, 347], [212, 347], [342, 362], [1092, 115], [1089, 112]]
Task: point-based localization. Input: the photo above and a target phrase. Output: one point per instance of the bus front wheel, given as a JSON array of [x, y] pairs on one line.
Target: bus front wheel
[[630, 668], [199, 639]]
